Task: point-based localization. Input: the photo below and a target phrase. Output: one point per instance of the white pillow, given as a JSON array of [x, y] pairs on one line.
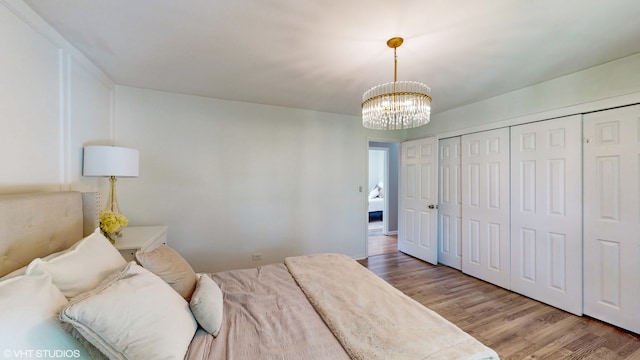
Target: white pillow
[[82, 266], [375, 192], [29, 306], [206, 304], [133, 314]]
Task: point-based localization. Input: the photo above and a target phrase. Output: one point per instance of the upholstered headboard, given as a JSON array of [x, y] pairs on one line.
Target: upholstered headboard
[[38, 224]]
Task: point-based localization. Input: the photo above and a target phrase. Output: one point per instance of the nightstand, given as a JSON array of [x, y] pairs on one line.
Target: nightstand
[[143, 238]]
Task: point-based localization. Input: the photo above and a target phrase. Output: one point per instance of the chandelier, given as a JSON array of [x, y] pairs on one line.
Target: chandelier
[[396, 105]]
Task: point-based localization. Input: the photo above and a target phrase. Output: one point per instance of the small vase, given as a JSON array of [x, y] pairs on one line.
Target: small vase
[[111, 237]]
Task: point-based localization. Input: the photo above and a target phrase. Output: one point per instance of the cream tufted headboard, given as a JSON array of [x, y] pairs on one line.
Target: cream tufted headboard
[[38, 224]]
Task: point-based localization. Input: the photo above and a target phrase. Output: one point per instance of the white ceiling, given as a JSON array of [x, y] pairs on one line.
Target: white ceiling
[[322, 55]]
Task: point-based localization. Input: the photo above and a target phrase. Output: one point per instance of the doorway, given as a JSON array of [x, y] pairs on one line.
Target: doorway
[[382, 197]]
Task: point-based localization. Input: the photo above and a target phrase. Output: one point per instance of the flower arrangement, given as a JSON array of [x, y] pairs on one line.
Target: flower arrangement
[[111, 223]]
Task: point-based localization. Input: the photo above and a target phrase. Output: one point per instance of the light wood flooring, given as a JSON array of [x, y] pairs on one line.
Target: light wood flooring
[[515, 326], [382, 244]]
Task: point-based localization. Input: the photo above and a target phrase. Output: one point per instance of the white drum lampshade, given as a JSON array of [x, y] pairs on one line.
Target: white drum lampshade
[[111, 162]]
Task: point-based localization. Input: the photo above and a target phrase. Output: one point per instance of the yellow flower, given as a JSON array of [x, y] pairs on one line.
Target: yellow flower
[[111, 222]]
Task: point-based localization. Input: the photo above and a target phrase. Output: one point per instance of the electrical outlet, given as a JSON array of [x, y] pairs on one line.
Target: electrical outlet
[[256, 256]]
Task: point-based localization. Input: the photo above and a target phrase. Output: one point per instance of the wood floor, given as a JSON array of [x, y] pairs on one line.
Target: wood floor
[[513, 325], [382, 244]]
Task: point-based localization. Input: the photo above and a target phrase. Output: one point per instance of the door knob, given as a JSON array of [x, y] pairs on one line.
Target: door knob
[[433, 206]]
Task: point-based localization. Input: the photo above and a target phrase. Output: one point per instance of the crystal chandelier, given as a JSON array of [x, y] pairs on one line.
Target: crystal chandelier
[[396, 105]]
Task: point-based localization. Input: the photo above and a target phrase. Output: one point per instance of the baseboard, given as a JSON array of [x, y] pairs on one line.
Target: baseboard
[[394, 232]]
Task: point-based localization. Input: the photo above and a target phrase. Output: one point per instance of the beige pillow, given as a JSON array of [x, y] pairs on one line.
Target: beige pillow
[[82, 266], [133, 314], [171, 267], [206, 304]]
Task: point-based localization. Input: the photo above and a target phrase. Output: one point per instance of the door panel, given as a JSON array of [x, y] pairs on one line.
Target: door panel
[[546, 209], [418, 189], [450, 217], [612, 216], [485, 206]]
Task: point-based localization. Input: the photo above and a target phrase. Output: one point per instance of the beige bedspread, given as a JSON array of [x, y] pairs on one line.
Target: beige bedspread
[[266, 316], [372, 319]]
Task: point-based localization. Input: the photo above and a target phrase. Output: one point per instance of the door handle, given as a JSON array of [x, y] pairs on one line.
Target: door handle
[[433, 206]]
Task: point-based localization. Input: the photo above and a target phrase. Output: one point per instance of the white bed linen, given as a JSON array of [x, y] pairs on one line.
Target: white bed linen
[[376, 204]]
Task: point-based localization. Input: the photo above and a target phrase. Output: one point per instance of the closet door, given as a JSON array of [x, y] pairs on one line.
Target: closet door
[[485, 206], [612, 216], [546, 212], [450, 210]]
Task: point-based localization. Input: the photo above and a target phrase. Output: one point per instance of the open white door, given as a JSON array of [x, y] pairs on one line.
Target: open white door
[[417, 228]]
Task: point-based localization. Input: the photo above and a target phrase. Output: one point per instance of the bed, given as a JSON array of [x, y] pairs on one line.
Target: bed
[[54, 303], [376, 202]]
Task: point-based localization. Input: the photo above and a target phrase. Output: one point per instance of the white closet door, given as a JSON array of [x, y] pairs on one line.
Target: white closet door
[[485, 206], [417, 228], [546, 212], [612, 216], [450, 210]]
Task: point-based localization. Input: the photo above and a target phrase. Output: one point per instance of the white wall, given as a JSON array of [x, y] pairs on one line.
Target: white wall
[[376, 167], [232, 178], [54, 101], [592, 89]]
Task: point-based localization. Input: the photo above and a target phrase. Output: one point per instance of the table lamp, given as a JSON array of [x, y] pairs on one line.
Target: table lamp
[[112, 162]]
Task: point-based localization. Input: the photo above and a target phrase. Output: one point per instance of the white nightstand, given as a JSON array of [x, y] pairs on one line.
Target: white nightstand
[[143, 238]]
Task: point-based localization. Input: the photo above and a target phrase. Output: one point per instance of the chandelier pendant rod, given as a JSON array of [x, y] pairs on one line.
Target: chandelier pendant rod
[[394, 43], [395, 74]]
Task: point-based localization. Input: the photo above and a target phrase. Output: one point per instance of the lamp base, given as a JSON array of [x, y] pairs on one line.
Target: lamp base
[[111, 220], [112, 203]]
